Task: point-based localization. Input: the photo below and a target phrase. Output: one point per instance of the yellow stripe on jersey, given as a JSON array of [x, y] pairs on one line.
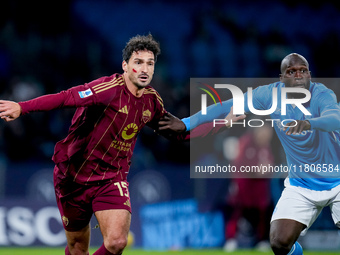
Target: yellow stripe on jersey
[[107, 85], [103, 84], [119, 80], [152, 91]]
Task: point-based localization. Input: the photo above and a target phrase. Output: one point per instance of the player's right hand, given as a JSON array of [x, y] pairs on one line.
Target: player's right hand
[[232, 118], [9, 110], [296, 127]]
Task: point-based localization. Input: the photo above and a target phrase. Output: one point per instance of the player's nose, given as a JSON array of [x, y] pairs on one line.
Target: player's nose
[[298, 74], [144, 68]]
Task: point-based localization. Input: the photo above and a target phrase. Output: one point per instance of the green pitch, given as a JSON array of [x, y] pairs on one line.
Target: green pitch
[[60, 251]]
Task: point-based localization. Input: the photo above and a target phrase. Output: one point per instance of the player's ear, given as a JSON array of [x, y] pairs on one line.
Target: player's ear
[[281, 76], [124, 66]]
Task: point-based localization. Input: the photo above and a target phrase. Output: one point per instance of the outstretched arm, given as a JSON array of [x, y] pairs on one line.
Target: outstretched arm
[[213, 112], [209, 129], [10, 110], [171, 125]]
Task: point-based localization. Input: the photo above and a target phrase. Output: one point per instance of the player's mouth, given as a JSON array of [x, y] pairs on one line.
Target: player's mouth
[[299, 85], [143, 78]]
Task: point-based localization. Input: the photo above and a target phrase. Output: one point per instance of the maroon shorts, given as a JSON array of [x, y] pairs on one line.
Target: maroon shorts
[[77, 202]]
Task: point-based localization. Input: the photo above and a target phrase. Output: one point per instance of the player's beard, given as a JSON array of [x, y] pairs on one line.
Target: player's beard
[[138, 83], [141, 85]]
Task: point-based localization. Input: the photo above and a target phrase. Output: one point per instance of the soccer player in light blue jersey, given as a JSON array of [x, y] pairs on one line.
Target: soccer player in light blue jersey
[[312, 147]]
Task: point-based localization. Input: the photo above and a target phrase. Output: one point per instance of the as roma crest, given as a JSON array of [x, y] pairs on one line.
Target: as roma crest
[[146, 116]]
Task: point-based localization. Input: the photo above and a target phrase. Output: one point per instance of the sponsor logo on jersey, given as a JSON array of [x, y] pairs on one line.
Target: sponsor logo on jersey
[[130, 131]]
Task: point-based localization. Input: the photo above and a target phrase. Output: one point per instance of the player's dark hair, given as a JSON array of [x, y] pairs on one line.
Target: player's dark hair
[[141, 42]]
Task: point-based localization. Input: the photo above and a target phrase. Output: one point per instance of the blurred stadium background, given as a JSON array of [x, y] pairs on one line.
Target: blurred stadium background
[[50, 46]]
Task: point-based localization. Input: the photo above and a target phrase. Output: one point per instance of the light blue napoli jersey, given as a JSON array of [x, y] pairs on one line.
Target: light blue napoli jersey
[[313, 157]]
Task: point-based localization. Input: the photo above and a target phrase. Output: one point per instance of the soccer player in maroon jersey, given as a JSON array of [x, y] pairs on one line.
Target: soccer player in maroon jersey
[[92, 162]]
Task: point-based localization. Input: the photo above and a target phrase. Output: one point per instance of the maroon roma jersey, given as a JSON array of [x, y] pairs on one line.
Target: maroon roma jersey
[[104, 128]]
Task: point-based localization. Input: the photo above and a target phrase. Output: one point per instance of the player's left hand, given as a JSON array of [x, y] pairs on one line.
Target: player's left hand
[[172, 123], [296, 127]]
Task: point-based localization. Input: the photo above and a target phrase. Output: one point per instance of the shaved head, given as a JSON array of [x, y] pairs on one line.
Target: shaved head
[[292, 59]]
